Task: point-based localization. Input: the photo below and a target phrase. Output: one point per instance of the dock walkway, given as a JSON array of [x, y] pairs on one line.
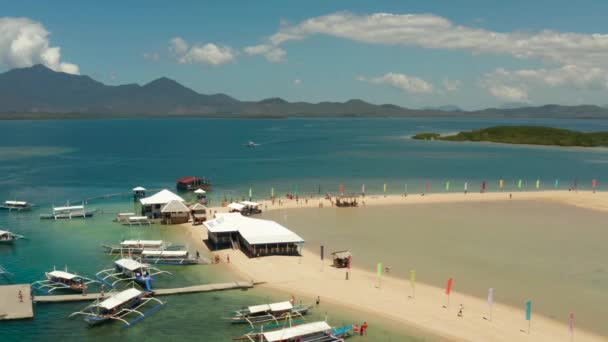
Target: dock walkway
[[11, 307], [243, 285]]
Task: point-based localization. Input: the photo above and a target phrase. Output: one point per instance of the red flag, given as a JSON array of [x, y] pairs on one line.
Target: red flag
[[426, 187], [349, 261], [342, 188], [448, 287], [571, 322], [594, 183]]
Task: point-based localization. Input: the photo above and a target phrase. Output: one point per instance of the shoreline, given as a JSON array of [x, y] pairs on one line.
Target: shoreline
[[308, 276]]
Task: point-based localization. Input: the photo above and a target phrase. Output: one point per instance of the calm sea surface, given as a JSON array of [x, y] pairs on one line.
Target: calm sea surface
[[48, 162]]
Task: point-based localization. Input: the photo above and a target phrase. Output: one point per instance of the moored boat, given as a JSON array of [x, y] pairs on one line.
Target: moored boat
[[126, 269], [68, 212], [119, 307], [319, 331], [273, 312], [16, 205], [165, 257], [62, 280], [137, 221], [137, 246], [9, 237]]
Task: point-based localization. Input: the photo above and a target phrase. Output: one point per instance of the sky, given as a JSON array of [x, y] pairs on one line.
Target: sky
[[470, 53]]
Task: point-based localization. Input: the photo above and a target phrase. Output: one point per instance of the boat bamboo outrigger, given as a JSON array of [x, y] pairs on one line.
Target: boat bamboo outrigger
[[118, 307], [137, 221], [122, 217], [181, 257], [62, 280], [126, 269], [16, 206], [315, 331], [9, 237], [273, 312], [68, 212], [137, 246]]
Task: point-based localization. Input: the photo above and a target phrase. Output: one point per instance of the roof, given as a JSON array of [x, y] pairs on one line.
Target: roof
[[130, 264], [341, 254], [125, 214], [139, 188], [200, 191], [162, 197], [299, 330], [282, 306], [198, 206], [63, 275], [15, 202], [175, 206], [236, 206], [164, 253], [120, 298], [138, 218], [250, 204], [142, 242], [254, 231], [74, 207], [187, 179]]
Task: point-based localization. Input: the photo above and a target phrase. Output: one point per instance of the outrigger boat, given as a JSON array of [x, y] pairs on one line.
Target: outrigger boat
[[69, 212], [62, 280], [171, 258], [316, 331], [274, 312], [137, 221], [118, 307], [137, 246], [9, 237], [16, 206], [126, 269]]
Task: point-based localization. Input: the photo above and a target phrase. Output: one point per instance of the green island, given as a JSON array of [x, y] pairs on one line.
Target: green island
[[530, 135]]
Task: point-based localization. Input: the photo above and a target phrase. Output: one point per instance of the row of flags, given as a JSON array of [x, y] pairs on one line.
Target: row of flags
[[448, 184], [448, 291]]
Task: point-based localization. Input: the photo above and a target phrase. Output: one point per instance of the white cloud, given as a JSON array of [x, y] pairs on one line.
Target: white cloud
[[435, 32], [271, 53], [451, 85], [508, 93], [296, 82], [209, 53], [24, 42], [151, 56], [566, 76], [402, 82]]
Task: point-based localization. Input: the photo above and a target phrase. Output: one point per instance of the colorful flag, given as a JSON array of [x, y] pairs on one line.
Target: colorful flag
[[426, 187], [447, 186], [519, 184], [272, 192], [363, 188], [341, 188], [571, 322], [448, 287], [466, 186], [413, 278], [556, 183], [379, 270], [385, 187], [483, 186], [490, 296], [350, 260], [594, 183], [538, 183], [528, 310], [250, 193], [501, 184], [405, 188], [301, 246], [322, 251]]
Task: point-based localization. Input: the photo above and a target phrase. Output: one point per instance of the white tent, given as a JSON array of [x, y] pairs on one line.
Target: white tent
[[236, 206], [162, 197], [200, 191]]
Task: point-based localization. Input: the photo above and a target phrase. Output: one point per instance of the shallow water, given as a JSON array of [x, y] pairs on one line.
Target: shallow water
[[550, 253]]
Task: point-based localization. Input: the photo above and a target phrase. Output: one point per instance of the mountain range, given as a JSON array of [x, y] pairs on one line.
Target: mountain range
[[39, 92]]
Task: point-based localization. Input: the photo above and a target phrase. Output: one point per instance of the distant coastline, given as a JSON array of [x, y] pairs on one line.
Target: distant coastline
[[525, 135]]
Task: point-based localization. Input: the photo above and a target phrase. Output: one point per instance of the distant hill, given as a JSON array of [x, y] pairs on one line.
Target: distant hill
[[38, 92]]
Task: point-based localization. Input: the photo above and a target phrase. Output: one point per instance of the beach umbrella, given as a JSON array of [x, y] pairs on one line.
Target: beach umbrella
[[501, 184], [529, 313], [519, 184]]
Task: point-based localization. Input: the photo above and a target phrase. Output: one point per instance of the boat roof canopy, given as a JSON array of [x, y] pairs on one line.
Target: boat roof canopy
[[4, 232], [162, 197], [138, 218], [125, 214], [15, 202], [130, 264], [282, 306], [73, 207], [63, 275], [142, 242], [120, 298], [299, 330], [164, 253], [139, 188]]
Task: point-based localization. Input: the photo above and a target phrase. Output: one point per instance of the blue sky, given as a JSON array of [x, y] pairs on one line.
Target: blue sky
[[330, 50]]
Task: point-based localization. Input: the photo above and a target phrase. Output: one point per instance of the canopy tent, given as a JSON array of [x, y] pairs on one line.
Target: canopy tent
[[250, 204], [162, 197], [200, 191], [236, 206]]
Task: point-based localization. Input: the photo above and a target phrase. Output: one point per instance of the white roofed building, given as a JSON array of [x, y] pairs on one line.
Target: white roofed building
[[255, 237], [151, 206]]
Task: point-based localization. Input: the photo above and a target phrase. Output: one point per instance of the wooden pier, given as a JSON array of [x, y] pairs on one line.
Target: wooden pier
[[242, 285], [13, 305]]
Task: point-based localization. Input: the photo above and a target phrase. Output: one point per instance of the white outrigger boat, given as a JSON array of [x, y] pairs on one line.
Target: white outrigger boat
[[16, 206], [160, 257], [137, 221], [118, 307], [137, 246], [316, 331], [62, 280], [68, 212], [126, 269], [9, 237], [273, 312]]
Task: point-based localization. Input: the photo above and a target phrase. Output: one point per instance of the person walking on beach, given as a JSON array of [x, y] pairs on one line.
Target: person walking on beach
[[363, 328], [460, 310], [318, 300], [228, 258]]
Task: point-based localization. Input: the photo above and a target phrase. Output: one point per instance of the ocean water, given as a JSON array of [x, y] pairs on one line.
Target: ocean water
[[51, 162]]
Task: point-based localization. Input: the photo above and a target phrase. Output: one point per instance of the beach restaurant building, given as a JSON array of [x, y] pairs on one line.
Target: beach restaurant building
[[152, 206], [254, 237]]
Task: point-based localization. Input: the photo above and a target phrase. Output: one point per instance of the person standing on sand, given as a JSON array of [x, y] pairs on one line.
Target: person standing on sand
[[460, 310], [228, 258], [318, 300], [363, 328]]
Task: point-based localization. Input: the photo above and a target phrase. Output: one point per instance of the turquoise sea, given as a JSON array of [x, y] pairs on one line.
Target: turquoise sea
[[51, 162]]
